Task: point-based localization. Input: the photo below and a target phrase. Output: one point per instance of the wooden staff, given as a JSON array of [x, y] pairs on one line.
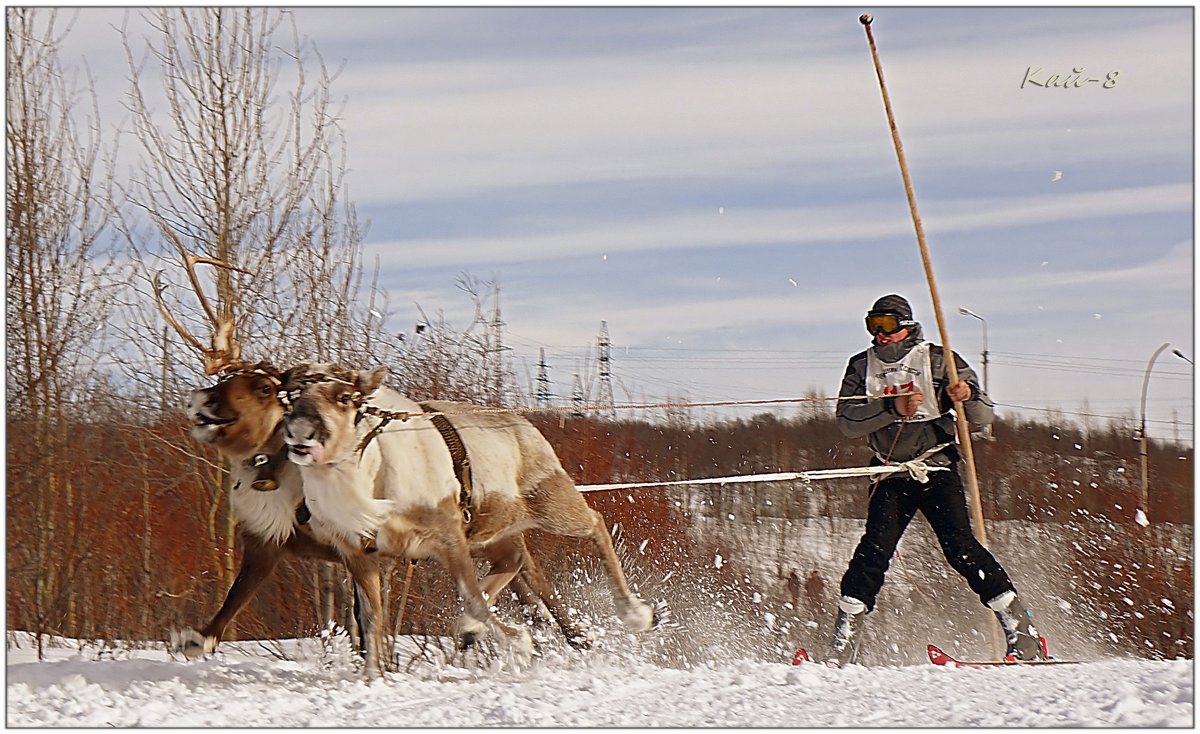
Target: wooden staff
[[964, 432], [960, 413]]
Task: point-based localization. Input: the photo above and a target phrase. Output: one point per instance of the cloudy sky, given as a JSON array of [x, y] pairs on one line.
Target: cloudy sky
[[720, 187]]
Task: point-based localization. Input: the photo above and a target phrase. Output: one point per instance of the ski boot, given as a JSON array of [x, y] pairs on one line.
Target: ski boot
[[1021, 637], [847, 633]]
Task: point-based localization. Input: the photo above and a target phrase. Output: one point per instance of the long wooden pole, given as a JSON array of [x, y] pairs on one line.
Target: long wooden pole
[[964, 432], [960, 413]]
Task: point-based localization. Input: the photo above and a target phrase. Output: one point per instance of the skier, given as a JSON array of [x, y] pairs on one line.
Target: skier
[[914, 423]]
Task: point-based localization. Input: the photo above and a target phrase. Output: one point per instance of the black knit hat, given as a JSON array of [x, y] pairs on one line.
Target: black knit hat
[[893, 304]]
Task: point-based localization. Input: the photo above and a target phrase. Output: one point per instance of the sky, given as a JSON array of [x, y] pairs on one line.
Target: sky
[[718, 186], [294, 684]]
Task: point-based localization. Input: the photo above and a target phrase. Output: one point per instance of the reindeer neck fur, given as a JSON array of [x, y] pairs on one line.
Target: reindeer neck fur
[[341, 497], [271, 515]]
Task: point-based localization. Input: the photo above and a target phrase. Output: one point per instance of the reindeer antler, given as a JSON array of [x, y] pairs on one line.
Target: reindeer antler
[[225, 352]]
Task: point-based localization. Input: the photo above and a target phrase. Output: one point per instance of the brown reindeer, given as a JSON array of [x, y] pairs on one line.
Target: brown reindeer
[[398, 489], [241, 416]]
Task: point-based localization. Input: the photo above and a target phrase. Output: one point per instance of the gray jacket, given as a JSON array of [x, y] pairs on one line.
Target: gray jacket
[[877, 418]]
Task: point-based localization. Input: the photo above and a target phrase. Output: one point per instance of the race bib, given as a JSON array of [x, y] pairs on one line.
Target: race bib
[[908, 375]]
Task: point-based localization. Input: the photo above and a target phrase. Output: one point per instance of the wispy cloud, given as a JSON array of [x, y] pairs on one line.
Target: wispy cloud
[[670, 169], [741, 228]]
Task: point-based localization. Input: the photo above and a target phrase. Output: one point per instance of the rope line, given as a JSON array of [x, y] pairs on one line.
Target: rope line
[[645, 406], [914, 468]]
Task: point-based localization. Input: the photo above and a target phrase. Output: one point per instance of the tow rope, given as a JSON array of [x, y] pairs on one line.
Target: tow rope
[[916, 468]]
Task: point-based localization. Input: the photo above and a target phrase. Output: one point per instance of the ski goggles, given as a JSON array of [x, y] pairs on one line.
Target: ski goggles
[[886, 323]]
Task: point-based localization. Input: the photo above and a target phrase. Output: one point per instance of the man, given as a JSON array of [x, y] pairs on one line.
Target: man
[[905, 412]]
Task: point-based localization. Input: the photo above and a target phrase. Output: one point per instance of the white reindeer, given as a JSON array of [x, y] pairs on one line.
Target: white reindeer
[[401, 492]]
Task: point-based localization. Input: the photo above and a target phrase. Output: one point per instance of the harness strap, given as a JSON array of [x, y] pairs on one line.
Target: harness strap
[[458, 457], [385, 416]]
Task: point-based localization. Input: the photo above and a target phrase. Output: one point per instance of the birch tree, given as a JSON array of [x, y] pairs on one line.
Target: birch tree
[[56, 307]]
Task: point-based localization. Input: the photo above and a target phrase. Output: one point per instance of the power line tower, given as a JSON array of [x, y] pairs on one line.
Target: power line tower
[[577, 398], [495, 348], [543, 382], [604, 364]]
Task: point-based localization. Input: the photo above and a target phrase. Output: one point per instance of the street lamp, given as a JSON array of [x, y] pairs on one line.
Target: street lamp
[[987, 431], [1143, 451], [1180, 354]]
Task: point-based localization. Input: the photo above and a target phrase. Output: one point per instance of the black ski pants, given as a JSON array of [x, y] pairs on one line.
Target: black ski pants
[[943, 502]]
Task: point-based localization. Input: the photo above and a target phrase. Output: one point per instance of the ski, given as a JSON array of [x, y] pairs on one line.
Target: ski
[[938, 657], [802, 657]]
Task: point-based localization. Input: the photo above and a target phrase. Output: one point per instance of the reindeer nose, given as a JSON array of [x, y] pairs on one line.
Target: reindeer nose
[[300, 430]]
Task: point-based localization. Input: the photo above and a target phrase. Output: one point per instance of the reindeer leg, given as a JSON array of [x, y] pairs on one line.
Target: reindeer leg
[[259, 560], [506, 559], [532, 580], [477, 615], [368, 589], [358, 623], [561, 509]]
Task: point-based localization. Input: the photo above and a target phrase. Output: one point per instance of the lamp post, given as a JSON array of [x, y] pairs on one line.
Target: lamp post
[[1143, 451], [1185, 358], [987, 431]]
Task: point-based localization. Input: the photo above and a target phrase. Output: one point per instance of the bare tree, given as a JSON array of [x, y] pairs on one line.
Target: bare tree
[[56, 306], [442, 361], [232, 170]]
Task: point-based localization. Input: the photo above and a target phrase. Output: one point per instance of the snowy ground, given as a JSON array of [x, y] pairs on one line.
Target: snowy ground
[[302, 684]]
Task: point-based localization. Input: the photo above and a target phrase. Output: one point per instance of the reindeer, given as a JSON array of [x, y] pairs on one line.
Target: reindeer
[[242, 416], [398, 489]]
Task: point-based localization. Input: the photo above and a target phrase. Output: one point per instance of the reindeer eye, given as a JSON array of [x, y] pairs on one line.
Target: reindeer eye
[[344, 398]]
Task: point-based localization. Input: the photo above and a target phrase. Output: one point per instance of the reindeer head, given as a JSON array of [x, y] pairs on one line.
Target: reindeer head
[[321, 426], [239, 414]]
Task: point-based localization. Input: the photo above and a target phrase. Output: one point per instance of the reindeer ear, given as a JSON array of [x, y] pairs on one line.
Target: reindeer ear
[[368, 382], [288, 379], [268, 368]]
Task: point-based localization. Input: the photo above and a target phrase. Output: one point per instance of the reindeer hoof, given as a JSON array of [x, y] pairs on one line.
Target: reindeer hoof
[[579, 639], [522, 644], [467, 640], [191, 644], [638, 616], [660, 615]]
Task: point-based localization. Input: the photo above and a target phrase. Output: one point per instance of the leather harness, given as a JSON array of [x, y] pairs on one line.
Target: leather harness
[[458, 457]]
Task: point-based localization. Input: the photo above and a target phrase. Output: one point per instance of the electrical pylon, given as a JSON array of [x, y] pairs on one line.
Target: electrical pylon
[[543, 382], [577, 397], [604, 364]]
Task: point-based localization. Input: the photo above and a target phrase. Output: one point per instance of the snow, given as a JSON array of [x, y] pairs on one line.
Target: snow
[[300, 683]]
